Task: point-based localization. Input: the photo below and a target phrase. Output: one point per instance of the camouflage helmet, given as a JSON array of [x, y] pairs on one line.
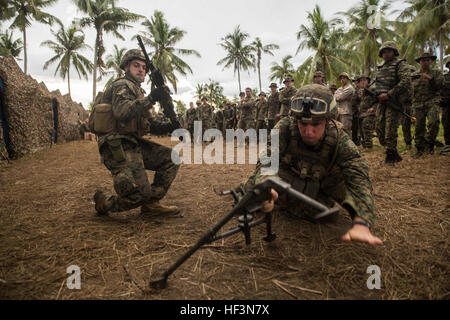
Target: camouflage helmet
[[388, 45], [313, 102], [318, 74], [333, 86], [198, 102], [130, 55]]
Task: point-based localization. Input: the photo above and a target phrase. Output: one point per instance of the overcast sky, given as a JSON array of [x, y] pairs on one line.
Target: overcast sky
[[205, 23]]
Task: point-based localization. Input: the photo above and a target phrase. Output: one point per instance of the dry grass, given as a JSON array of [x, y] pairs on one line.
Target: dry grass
[[48, 223]]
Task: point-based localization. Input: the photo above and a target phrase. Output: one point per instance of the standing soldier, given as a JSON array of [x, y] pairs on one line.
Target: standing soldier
[[206, 113], [356, 119], [319, 78], [122, 148], [228, 116], [235, 114], [218, 118], [247, 111], [262, 107], [426, 85], [273, 113], [191, 116], [285, 96], [333, 88], [405, 101], [445, 105], [392, 79], [367, 107], [343, 96]]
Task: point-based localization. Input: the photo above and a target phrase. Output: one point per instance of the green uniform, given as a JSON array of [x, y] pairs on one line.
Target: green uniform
[[285, 96], [425, 103], [367, 118], [261, 114], [228, 117], [127, 155], [333, 170], [218, 119], [273, 109], [247, 113], [392, 77], [191, 116], [206, 114], [445, 105]]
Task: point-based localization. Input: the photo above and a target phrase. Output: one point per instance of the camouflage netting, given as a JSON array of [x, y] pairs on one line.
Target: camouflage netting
[[28, 110]]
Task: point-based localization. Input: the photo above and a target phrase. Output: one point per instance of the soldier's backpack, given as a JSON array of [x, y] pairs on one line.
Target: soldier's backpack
[[101, 119]]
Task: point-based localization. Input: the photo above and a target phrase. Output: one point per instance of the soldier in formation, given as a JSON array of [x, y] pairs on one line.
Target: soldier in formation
[[274, 105], [425, 88], [262, 107], [285, 96]]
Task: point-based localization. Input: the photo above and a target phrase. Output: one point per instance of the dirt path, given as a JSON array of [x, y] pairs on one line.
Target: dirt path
[[47, 223]]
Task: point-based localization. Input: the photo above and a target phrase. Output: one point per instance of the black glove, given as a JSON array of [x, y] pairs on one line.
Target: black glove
[[159, 94]]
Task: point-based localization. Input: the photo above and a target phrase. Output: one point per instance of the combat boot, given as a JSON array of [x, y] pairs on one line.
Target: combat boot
[[418, 154], [156, 209], [429, 148], [396, 156], [390, 159], [102, 205]]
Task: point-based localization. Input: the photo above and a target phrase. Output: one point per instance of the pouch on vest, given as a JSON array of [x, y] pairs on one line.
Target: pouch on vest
[[101, 120]]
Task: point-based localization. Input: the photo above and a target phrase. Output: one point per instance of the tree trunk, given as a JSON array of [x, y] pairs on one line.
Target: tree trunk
[[239, 78], [441, 53], [259, 74], [94, 73], [68, 80], [25, 59]]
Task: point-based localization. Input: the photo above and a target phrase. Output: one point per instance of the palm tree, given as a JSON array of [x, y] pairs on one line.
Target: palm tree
[[200, 90], [66, 48], [214, 92], [364, 38], [104, 16], [113, 62], [162, 38], [427, 25], [239, 55], [325, 38], [10, 47], [279, 71], [22, 12], [259, 48]]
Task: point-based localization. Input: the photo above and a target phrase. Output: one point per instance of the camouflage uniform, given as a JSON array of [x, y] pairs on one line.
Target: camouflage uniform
[[425, 103], [273, 109], [392, 77], [405, 101], [333, 170], [127, 155], [218, 119], [367, 118], [228, 117], [247, 113], [445, 105], [191, 116], [261, 114], [206, 115], [285, 96], [343, 96]]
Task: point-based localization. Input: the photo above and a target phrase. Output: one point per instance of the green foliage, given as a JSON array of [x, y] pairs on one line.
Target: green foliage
[[162, 38], [239, 54], [66, 48], [8, 46]]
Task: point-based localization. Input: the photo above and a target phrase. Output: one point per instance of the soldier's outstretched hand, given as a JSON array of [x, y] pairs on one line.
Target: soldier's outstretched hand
[[361, 233]]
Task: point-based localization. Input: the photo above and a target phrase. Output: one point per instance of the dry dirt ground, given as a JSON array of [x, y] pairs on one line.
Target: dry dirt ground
[[48, 223]]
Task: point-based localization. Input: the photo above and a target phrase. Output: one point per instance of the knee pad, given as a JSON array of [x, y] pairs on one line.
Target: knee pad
[[124, 183]]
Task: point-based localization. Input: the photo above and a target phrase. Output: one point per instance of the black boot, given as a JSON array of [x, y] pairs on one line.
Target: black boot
[[396, 156], [390, 159], [418, 154]]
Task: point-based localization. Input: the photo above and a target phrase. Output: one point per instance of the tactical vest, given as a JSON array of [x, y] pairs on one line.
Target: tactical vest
[[228, 113], [305, 167], [387, 76]]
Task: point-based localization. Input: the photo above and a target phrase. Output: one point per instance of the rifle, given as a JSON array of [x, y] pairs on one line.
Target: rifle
[[390, 104], [158, 82], [245, 204]]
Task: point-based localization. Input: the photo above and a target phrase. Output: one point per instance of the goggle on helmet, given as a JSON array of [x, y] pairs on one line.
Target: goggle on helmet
[[308, 107]]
